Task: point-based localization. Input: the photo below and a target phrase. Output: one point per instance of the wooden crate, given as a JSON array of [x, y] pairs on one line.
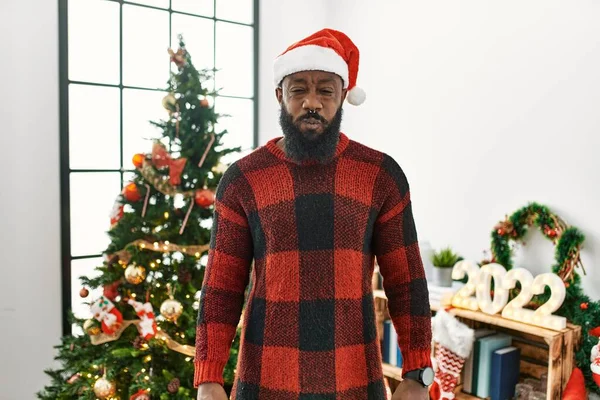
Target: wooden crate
[[542, 350]]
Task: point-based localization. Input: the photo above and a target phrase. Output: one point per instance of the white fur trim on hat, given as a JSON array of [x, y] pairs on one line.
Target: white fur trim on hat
[[452, 334], [310, 58], [356, 96]]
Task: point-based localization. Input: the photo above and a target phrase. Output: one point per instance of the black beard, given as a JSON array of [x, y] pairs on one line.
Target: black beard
[[308, 145]]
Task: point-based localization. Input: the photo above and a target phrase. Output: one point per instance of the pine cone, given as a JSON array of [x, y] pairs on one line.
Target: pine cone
[[184, 276], [173, 386]]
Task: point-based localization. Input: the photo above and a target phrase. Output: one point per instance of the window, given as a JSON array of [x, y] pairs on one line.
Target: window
[[114, 69]]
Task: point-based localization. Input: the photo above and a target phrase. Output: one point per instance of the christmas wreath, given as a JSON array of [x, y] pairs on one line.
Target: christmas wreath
[[568, 241]]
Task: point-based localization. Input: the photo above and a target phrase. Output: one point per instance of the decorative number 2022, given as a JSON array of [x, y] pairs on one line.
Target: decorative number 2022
[[480, 281]]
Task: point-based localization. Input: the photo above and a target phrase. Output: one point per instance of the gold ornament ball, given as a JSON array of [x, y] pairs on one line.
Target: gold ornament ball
[[91, 327], [84, 292], [135, 274], [104, 388], [171, 309], [169, 102]]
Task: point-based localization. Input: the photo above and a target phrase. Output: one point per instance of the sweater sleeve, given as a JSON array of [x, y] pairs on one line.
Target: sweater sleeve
[[225, 280], [396, 248]]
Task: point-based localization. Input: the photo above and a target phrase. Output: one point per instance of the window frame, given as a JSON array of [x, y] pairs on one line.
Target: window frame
[[65, 82]]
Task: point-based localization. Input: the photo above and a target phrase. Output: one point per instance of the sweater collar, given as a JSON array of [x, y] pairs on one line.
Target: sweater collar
[[271, 145]]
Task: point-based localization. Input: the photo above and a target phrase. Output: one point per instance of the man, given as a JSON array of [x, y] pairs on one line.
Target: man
[[312, 209]]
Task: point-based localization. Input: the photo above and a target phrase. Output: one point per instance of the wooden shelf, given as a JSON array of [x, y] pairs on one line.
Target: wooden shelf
[[463, 396], [542, 350], [392, 371]]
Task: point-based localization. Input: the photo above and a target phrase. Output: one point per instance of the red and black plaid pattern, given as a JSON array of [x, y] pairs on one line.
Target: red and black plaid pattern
[[313, 231]]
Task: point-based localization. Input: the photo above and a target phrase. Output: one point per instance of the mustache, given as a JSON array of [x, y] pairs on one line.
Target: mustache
[[312, 116]]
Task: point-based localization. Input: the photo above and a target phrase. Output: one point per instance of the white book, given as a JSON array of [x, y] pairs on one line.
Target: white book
[[393, 345]]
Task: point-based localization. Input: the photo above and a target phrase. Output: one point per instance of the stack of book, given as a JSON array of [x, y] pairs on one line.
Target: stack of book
[[492, 369]]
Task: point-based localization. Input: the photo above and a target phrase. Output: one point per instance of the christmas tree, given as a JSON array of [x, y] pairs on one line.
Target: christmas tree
[[139, 344]]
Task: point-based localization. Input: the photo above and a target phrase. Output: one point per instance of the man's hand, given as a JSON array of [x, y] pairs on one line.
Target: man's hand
[[409, 389], [211, 391]]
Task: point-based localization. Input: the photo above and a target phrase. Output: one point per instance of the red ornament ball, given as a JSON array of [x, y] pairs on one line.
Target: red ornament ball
[[205, 198], [584, 306], [552, 233], [131, 193], [138, 160], [204, 103], [501, 232], [84, 293]]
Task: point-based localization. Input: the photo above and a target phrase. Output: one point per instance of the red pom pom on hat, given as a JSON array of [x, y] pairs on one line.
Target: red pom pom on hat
[[326, 50]]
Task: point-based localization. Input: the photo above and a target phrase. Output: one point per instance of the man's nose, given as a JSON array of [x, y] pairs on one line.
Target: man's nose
[[312, 102]]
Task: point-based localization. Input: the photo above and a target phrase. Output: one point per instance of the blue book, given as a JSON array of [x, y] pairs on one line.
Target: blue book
[[398, 356], [487, 346], [387, 325], [505, 372]]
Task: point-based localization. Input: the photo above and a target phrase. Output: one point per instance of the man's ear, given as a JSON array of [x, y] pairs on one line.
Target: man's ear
[[344, 94], [279, 94]]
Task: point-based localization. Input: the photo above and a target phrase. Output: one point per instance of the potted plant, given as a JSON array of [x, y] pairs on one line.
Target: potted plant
[[443, 261]]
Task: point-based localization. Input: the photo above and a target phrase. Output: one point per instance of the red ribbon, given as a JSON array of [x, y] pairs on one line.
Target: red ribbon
[[161, 159], [141, 394]]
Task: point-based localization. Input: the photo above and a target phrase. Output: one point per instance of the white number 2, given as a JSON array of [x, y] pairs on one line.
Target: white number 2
[[529, 286], [464, 297]]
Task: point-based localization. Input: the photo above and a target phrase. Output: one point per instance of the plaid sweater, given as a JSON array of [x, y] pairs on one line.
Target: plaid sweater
[[312, 230]]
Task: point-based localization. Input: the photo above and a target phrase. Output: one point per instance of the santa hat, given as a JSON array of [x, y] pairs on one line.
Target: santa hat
[[326, 50]]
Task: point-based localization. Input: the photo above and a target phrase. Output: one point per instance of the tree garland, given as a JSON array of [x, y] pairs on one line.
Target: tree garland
[[568, 241]]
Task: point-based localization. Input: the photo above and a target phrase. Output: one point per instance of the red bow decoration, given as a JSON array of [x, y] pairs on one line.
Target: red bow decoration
[[178, 58], [111, 290], [161, 159]]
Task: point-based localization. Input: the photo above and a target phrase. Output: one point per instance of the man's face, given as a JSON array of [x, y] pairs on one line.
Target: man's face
[[311, 114], [312, 99]]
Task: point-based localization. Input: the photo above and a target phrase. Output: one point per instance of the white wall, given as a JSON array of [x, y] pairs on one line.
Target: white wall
[[486, 105], [30, 302], [282, 22]]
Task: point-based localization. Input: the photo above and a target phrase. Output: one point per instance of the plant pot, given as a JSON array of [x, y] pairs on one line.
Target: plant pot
[[442, 276]]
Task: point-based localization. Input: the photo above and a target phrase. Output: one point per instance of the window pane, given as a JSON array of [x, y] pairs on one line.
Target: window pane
[[145, 43], [236, 10], [93, 127], [92, 197], [139, 108], [235, 59], [83, 268], [94, 41], [155, 3], [128, 177], [240, 123], [198, 34], [200, 7]]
